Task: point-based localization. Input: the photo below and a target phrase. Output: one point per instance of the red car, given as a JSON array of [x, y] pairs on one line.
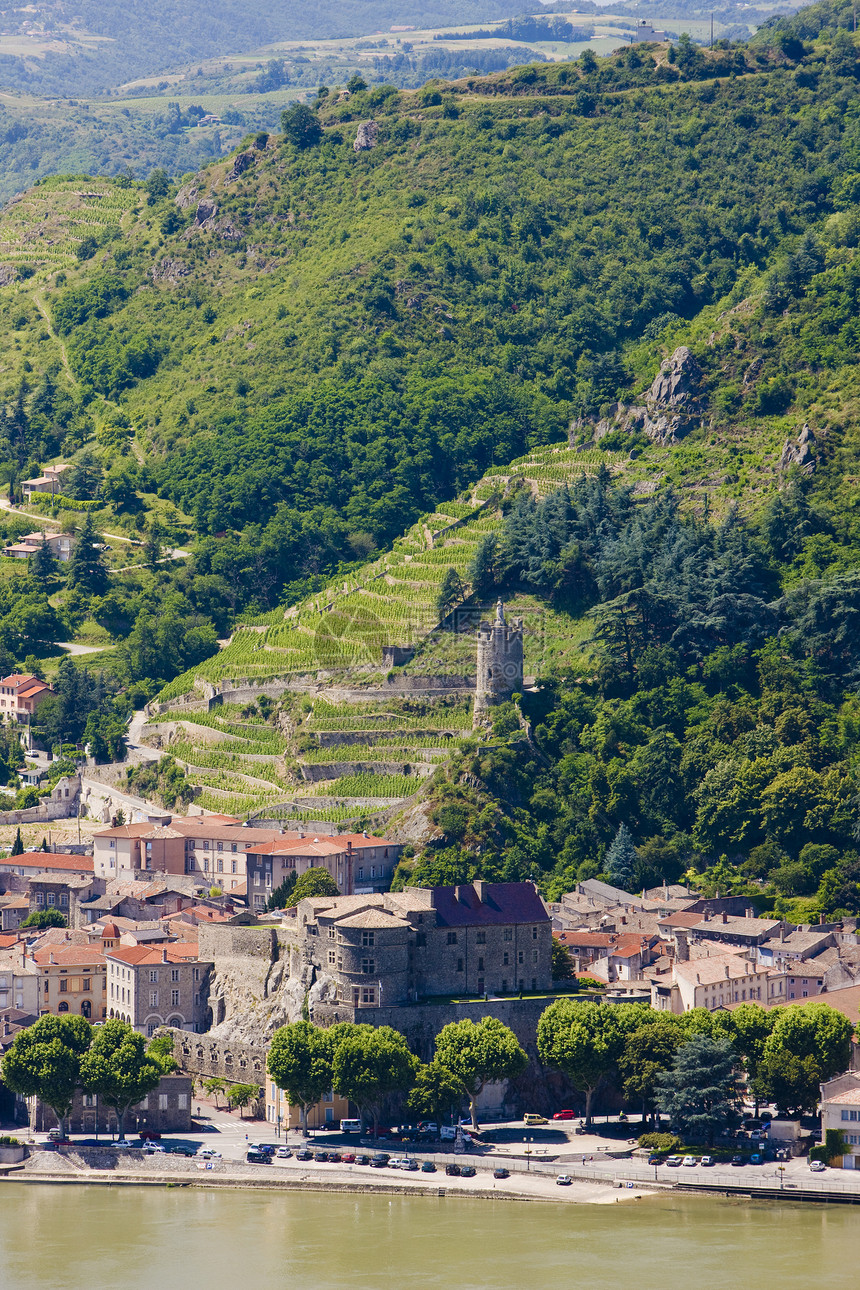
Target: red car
[[149, 1135], [564, 1115], [348, 1158]]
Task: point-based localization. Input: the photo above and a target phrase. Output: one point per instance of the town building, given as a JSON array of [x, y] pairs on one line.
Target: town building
[[14, 908], [794, 982], [713, 982], [840, 1109], [165, 1110], [29, 864], [357, 862], [59, 544], [329, 1110], [73, 979], [50, 481], [19, 981], [391, 949], [21, 695], [151, 986]]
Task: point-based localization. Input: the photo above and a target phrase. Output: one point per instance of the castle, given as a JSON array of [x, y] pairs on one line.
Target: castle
[[500, 662]]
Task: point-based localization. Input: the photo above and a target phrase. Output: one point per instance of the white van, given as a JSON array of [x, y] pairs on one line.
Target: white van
[[350, 1126]]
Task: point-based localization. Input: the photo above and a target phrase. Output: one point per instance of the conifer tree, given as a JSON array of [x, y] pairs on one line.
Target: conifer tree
[[87, 568], [621, 859]]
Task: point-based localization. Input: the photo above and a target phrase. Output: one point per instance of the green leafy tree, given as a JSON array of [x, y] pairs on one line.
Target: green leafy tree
[[17, 845], [313, 882], [562, 967], [301, 127], [280, 897], [584, 1040], [356, 83], [214, 1087], [121, 1069], [370, 1064], [157, 186], [437, 1092], [240, 1095], [45, 918], [748, 1027], [87, 569], [300, 1063], [700, 1094], [479, 1053], [45, 1061], [648, 1054], [808, 1044]]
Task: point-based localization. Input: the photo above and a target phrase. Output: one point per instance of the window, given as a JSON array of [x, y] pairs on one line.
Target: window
[[205, 864], [534, 982], [846, 1115], [64, 987], [480, 985], [85, 984], [63, 1007], [480, 965], [481, 938], [505, 958], [162, 1101], [452, 938], [504, 985], [234, 868], [520, 957], [40, 898], [368, 995], [459, 965], [153, 998], [368, 966], [509, 933], [367, 939], [174, 998], [196, 974], [360, 872], [153, 975], [220, 846], [174, 974], [534, 933], [220, 865], [64, 899], [182, 1101], [331, 956], [534, 956], [233, 849]]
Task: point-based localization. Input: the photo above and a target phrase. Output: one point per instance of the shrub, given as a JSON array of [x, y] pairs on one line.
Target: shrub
[[665, 1142]]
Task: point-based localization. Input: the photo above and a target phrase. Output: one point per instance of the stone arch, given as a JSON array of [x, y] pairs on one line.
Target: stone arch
[[178, 1022], [86, 1009], [63, 1007], [153, 1021]]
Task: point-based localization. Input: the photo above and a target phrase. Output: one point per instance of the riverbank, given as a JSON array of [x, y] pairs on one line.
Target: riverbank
[[155, 1171]]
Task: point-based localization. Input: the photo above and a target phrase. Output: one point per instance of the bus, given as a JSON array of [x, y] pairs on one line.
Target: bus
[[350, 1126]]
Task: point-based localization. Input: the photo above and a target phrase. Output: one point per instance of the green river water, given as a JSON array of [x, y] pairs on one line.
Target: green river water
[[89, 1238]]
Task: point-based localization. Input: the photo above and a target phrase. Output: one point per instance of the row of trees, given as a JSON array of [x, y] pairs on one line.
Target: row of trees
[[56, 1056], [370, 1064], [665, 1062]]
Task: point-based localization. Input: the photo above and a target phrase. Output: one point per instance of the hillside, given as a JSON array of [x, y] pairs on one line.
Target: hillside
[[352, 382]]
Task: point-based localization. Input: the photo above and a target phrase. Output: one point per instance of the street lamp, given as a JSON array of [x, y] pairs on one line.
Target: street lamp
[[528, 1154]]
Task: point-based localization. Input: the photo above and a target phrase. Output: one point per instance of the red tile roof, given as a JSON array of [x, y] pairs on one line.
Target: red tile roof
[[50, 860], [586, 940], [146, 955], [68, 956]]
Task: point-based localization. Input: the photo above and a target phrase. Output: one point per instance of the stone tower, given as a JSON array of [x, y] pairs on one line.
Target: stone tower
[[500, 662]]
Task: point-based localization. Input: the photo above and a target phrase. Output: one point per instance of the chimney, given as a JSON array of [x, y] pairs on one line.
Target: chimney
[[665, 890], [164, 955], [820, 920], [698, 979], [51, 958], [724, 918], [750, 913], [782, 932], [727, 971], [706, 917]]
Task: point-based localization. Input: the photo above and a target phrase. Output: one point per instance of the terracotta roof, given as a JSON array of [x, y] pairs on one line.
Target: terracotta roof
[[149, 955], [505, 902], [586, 940], [49, 860], [8, 940], [111, 931], [68, 956], [206, 915], [851, 1097], [681, 919], [723, 967], [372, 918], [628, 946], [738, 926], [358, 841], [298, 846]]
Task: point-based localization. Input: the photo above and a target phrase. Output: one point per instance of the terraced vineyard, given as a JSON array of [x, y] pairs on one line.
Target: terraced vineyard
[[363, 758], [41, 231], [392, 601]]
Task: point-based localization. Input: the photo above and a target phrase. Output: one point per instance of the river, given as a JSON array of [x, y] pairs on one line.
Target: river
[[58, 1237]]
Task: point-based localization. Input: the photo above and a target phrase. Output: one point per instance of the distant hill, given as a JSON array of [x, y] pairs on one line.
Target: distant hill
[[88, 46]]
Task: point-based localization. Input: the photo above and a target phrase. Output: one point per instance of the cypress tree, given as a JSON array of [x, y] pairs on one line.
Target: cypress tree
[[87, 568], [621, 859]]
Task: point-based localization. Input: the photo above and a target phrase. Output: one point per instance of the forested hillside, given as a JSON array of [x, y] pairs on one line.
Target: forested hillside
[[305, 349]]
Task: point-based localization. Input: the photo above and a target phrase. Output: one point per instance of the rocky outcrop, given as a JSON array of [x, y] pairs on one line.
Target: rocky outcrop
[[671, 408], [188, 194], [8, 275], [367, 136], [244, 161], [799, 453], [207, 209], [169, 270]]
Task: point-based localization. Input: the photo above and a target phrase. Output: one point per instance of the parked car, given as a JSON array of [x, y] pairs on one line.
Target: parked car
[[154, 1148], [783, 1153], [452, 1171], [269, 1147], [467, 1171], [408, 1165], [256, 1157], [756, 1158], [655, 1159], [817, 1166], [320, 1157], [427, 1126], [208, 1153], [380, 1160], [149, 1135], [348, 1157], [690, 1162], [362, 1160], [283, 1153], [183, 1149], [531, 1118], [501, 1173], [674, 1162], [428, 1167], [334, 1157], [737, 1161], [564, 1115], [121, 1144], [707, 1162], [304, 1154], [564, 1180]]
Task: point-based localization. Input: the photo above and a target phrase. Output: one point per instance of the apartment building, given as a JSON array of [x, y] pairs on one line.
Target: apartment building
[[329, 1110], [151, 986], [19, 981], [358, 862], [21, 695], [73, 979], [714, 982]]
